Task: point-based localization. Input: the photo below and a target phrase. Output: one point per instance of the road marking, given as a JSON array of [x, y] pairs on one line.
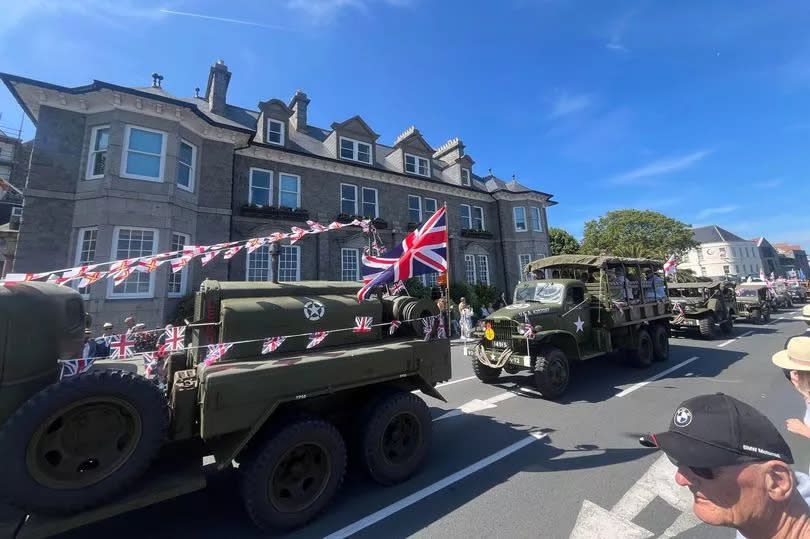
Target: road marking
[[781, 318], [435, 487], [657, 482], [451, 382], [656, 377], [476, 405], [746, 334]]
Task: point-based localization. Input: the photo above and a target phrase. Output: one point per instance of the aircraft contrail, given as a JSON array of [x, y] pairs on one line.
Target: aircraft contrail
[[225, 19]]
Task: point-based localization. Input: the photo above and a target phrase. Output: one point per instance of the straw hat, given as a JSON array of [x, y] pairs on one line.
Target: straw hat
[[796, 357], [805, 314], [107, 325]]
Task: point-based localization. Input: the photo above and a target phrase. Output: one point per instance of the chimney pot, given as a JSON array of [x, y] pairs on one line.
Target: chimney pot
[[299, 107], [217, 91]]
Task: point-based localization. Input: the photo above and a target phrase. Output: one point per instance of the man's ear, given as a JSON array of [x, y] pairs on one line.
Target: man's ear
[[779, 480]]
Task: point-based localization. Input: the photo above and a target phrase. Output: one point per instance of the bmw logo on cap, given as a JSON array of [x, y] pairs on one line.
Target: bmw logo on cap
[[682, 417]]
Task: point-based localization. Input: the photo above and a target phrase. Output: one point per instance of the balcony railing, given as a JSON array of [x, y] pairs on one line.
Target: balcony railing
[[476, 233]]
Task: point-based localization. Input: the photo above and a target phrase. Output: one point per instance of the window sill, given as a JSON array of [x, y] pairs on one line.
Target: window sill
[[100, 177], [273, 212], [130, 296], [141, 178], [186, 189], [355, 161], [473, 233], [518, 230]]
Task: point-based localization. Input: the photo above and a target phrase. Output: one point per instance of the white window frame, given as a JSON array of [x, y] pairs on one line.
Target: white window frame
[[111, 294], [192, 168], [376, 201], [297, 262], [269, 185], [419, 209], [183, 273], [356, 254], [515, 219], [469, 262], [297, 189], [469, 216], [417, 161], [126, 150], [356, 198], [425, 216], [355, 150], [466, 177], [483, 218], [521, 264], [78, 257], [16, 211], [248, 256], [270, 122], [91, 152], [479, 272], [539, 219]]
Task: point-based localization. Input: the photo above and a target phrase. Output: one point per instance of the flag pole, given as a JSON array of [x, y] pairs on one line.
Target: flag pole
[[449, 325]]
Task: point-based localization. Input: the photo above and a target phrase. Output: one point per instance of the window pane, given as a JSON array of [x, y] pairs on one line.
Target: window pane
[[288, 263], [289, 183], [414, 209], [465, 176], [482, 269], [466, 221], [145, 141], [134, 244], [430, 207], [258, 264], [520, 218], [183, 175], [469, 268], [346, 149], [86, 252], [260, 178], [176, 280], [348, 199], [349, 267], [102, 139], [288, 200], [99, 161], [186, 152], [535, 213], [260, 196], [369, 202], [363, 152], [143, 165], [478, 218]]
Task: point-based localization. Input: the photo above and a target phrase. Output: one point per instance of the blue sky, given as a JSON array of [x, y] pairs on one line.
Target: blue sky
[[700, 110]]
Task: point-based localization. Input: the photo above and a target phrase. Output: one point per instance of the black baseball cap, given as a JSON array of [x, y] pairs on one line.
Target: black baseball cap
[[717, 430]]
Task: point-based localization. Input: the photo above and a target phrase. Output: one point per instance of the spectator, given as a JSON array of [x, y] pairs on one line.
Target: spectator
[[466, 313], [129, 322], [484, 311], [455, 327], [103, 342], [736, 464], [89, 348], [795, 361]]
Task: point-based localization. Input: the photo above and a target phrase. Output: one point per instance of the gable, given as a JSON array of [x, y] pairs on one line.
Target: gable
[[275, 108], [355, 126], [414, 143]]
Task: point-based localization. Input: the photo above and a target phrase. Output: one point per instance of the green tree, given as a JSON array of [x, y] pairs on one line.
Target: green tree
[[562, 243], [639, 233]]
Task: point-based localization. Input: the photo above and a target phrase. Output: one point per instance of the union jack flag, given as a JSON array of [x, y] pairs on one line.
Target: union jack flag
[[362, 324], [441, 332], [680, 316], [427, 327], [232, 251], [272, 344], [216, 352], [208, 257], [149, 363], [422, 251], [297, 234], [316, 338], [394, 326], [396, 288], [175, 338], [316, 228], [528, 329], [72, 367], [180, 263], [121, 347]]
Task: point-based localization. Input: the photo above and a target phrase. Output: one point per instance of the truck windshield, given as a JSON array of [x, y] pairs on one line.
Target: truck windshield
[[747, 292], [543, 292]]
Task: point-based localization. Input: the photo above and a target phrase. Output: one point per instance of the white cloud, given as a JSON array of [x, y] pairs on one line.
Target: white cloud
[[616, 47], [662, 166], [569, 104], [719, 210]]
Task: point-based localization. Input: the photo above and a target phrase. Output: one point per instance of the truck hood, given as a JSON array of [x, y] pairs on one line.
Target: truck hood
[[519, 311], [687, 301]]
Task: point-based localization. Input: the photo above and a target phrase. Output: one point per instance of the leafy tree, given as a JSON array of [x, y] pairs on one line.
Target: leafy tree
[[460, 289], [562, 243], [486, 294], [416, 288], [642, 233]]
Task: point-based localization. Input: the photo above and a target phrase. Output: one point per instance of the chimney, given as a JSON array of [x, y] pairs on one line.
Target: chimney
[[450, 151], [299, 107], [218, 79]]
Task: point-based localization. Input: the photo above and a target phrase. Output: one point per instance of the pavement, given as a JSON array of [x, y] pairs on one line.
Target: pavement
[[506, 463]]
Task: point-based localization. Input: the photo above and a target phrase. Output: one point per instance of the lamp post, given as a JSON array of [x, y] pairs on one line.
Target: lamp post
[[274, 261]]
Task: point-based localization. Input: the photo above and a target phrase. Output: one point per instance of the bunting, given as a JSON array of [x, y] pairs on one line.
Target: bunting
[[316, 338], [209, 256], [216, 352], [175, 338], [394, 327], [272, 344], [73, 367], [362, 324], [121, 347]]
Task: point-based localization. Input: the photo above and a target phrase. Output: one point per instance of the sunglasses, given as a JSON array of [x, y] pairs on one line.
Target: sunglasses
[[703, 473]]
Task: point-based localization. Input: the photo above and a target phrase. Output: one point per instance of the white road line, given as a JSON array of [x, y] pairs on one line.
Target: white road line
[[432, 489], [451, 382], [656, 377], [746, 334], [476, 405], [781, 318]]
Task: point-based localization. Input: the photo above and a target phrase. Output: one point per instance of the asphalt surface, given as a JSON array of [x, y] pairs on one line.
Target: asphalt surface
[[520, 466]]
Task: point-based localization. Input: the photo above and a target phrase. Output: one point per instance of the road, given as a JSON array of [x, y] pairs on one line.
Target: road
[[506, 463]]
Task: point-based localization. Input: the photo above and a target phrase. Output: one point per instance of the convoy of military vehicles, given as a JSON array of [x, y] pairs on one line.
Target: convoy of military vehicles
[[110, 440]]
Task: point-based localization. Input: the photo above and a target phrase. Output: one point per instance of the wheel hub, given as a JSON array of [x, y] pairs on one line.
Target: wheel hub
[[299, 478], [401, 438]]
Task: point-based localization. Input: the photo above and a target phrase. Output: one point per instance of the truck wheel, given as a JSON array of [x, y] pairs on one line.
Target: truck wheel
[[551, 372], [485, 373], [642, 355], [511, 369], [81, 440], [294, 475], [756, 316], [707, 326], [660, 341], [396, 438], [728, 326]]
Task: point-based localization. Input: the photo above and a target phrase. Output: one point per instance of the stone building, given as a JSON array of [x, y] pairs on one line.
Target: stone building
[[721, 253], [119, 172], [792, 259], [13, 167]]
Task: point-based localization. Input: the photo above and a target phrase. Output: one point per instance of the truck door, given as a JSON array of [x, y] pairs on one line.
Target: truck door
[[577, 313]]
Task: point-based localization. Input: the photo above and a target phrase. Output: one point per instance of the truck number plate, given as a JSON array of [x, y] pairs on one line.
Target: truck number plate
[[500, 344]]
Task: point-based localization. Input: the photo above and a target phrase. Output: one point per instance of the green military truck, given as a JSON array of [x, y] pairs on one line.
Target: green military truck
[[107, 441], [755, 302], [703, 306], [577, 308]]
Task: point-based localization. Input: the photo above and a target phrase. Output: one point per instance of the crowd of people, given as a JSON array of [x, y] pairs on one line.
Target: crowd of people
[[463, 316]]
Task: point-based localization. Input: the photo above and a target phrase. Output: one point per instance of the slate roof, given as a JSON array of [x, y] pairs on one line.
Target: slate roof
[[714, 234]]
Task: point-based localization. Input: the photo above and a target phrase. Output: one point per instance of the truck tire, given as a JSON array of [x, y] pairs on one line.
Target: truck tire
[[552, 373], [660, 340], [290, 479], [485, 373], [396, 438], [642, 355], [728, 326], [707, 327], [511, 368], [756, 316], [82, 440]]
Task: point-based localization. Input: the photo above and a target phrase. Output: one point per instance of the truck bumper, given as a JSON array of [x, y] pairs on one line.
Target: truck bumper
[[497, 359]]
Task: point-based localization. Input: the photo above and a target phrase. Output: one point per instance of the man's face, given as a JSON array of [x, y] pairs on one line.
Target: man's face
[[734, 496]]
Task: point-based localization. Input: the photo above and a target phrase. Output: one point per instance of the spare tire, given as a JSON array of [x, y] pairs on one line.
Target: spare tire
[[415, 311], [81, 440]]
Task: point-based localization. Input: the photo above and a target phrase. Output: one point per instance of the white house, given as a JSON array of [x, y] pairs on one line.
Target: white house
[[721, 253]]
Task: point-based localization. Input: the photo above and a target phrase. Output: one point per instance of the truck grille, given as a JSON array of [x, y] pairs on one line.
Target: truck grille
[[503, 335]]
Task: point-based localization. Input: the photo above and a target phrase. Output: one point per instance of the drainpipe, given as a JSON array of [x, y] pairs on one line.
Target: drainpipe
[[233, 185], [503, 251]]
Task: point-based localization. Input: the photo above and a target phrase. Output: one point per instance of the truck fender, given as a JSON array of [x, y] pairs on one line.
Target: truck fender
[[560, 339]]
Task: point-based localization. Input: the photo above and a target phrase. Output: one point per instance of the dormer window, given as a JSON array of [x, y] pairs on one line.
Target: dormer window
[[417, 165], [465, 176], [275, 132], [354, 150]]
